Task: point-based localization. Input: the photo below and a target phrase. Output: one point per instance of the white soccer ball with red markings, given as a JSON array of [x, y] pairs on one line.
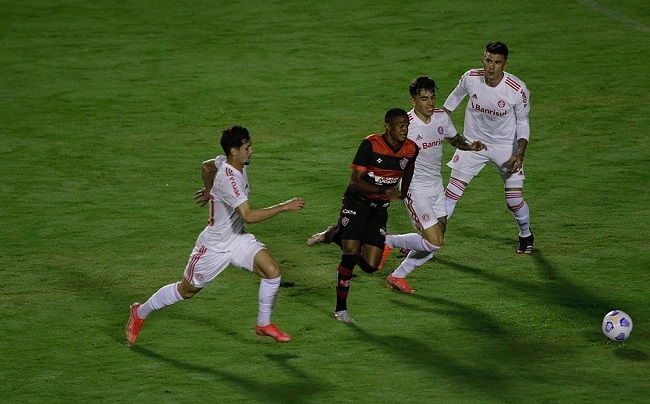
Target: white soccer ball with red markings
[[617, 325]]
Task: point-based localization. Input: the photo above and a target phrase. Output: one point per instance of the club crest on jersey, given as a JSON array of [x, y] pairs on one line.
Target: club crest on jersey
[[426, 217], [403, 163], [345, 221], [501, 104]]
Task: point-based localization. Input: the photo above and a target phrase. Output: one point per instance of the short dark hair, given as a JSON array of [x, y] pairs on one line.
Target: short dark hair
[[234, 136], [497, 48], [393, 114], [420, 83]]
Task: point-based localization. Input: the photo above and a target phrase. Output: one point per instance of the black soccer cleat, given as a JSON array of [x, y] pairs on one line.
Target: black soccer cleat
[[526, 244]]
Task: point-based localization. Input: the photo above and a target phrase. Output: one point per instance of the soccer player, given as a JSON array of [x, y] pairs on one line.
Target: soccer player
[[496, 114], [425, 200], [381, 161], [224, 241]]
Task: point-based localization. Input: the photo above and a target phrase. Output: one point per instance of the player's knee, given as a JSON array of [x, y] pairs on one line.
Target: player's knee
[[433, 242], [186, 290], [271, 271], [432, 246], [348, 261], [435, 236], [365, 267]]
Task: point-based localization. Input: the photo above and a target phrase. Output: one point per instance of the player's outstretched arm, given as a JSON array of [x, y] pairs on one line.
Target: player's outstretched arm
[[259, 215]]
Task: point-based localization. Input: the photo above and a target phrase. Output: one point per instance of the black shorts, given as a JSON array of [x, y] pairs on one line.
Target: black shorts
[[363, 220]]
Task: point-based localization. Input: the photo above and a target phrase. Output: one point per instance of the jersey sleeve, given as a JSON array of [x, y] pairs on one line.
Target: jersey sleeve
[[522, 108], [362, 159], [448, 126], [219, 160], [234, 193], [456, 96]]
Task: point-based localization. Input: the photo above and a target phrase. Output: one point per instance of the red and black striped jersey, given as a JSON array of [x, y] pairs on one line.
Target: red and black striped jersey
[[383, 166]]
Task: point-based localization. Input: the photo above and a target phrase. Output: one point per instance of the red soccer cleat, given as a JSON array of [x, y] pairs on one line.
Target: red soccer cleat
[[134, 325], [384, 257], [399, 284], [272, 331]]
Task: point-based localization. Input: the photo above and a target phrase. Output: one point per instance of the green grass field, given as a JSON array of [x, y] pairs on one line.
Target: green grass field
[[108, 109]]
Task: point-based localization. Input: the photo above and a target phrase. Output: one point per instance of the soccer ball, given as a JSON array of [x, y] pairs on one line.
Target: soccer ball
[[617, 325]]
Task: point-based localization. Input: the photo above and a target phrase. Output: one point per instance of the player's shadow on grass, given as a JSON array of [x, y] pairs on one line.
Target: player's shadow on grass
[[479, 374], [260, 388], [551, 288]]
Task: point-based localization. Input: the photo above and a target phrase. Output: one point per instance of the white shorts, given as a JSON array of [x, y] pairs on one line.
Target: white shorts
[[468, 164], [425, 207], [205, 263]]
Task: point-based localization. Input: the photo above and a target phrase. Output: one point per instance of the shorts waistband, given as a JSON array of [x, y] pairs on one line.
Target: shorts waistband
[[368, 202]]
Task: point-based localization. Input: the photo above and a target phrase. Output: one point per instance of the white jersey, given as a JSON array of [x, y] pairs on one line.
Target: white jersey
[[497, 116], [229, 190], [429, 137]]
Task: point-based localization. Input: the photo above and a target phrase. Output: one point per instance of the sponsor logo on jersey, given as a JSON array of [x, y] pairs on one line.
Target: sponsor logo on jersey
[[418, 137], [403, 163], [383, 180], [428, 145], [524, 99], [233, 184], [441, 130], [379, 160], [487, 111], [349, 212]]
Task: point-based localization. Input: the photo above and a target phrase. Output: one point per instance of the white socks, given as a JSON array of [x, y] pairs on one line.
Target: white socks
[[453, 192], [165, 296], [411, 241], [519, 208], [267, 296], [413, 260]]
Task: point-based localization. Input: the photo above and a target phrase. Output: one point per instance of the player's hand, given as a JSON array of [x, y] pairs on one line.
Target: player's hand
[[477, 145], [202, 196], [515, 163], [294, 204]]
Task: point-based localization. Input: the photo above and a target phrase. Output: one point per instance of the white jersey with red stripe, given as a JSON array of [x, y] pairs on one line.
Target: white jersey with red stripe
[[497, 116], [429, 137], [229, 190]]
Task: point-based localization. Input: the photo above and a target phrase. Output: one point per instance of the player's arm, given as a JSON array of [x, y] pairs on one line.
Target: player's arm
[[517, 160], [360, 163], [250, 215], [456, 96], [460, 143], [406, 181], [522, 108], [360, 185], [208, 171]]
